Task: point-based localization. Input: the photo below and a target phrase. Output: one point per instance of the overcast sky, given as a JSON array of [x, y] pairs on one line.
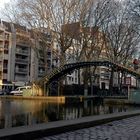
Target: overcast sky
[[2, 2]]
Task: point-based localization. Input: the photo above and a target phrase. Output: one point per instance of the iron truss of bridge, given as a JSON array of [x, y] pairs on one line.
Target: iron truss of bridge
[[61, 71]]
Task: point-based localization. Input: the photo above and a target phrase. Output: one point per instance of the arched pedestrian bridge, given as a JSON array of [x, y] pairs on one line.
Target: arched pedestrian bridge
[[64, 70]]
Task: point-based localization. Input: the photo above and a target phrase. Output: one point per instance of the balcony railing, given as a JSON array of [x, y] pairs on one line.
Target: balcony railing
[[21, 42], [23, 33], [21, 78], [1, 67], [5, 76], [1, 48], [6, 47], [1, 27], [23, 52], [5, 67], [21, 70], [40, 74], [19, 60], [1, 57], [1, 37], [7, 37], [41, 64]]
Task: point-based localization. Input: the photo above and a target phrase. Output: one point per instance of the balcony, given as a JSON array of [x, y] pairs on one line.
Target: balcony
[[1, 45], [21, 71], [22, 42], [1, 28], [6, 56], [1, 48], [1, 57], [22, 52], [20, 32], [7, 37], [5, 67], [1, 37], [1, 67], [5, 76], [21, 61], [41, 74], [21, 78], [41, 64], [6, 47]]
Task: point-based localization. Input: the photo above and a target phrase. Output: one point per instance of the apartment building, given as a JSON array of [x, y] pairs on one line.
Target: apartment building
[[19, 62], [15, 55], [46, 59], [20, 52], [5, 45]]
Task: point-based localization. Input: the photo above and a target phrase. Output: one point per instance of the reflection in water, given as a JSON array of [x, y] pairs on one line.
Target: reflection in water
[[27, 112]]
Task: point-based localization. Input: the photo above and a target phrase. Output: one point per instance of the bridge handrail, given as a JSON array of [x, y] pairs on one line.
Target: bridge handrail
[[69, 65]]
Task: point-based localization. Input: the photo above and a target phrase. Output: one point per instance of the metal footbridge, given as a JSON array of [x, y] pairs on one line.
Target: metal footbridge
[[61, 71]]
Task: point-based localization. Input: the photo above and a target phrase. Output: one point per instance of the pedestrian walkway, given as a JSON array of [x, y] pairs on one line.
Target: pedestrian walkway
[[125, 129], [94, 128]]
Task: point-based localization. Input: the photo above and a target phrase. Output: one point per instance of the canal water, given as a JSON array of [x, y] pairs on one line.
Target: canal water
[[27, 112]]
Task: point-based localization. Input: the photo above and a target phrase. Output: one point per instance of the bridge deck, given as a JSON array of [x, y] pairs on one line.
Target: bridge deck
[[64, 70]]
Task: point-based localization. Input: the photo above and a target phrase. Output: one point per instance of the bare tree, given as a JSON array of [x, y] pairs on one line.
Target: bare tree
[[91, 39], [122, 37], [58, 17], [134, 9], [94, 25]]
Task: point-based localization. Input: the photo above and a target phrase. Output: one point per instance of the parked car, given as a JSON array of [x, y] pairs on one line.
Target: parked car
[[19, 91], [1, 92]]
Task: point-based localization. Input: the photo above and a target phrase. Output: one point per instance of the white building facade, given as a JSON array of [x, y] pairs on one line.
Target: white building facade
[[19, 62]]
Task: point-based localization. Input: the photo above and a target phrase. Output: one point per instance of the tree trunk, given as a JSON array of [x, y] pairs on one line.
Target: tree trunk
[[111, 81], [122, 76], [119, 81], [85, 76], [62, 63], [79, 78]]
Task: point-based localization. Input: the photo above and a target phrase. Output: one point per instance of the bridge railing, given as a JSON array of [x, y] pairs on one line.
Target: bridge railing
[[68, 65]]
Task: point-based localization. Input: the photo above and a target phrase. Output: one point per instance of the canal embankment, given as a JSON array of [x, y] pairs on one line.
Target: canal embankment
[[48, 98], [117, 101], [71, 99], [53, 128], [120, 102]]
